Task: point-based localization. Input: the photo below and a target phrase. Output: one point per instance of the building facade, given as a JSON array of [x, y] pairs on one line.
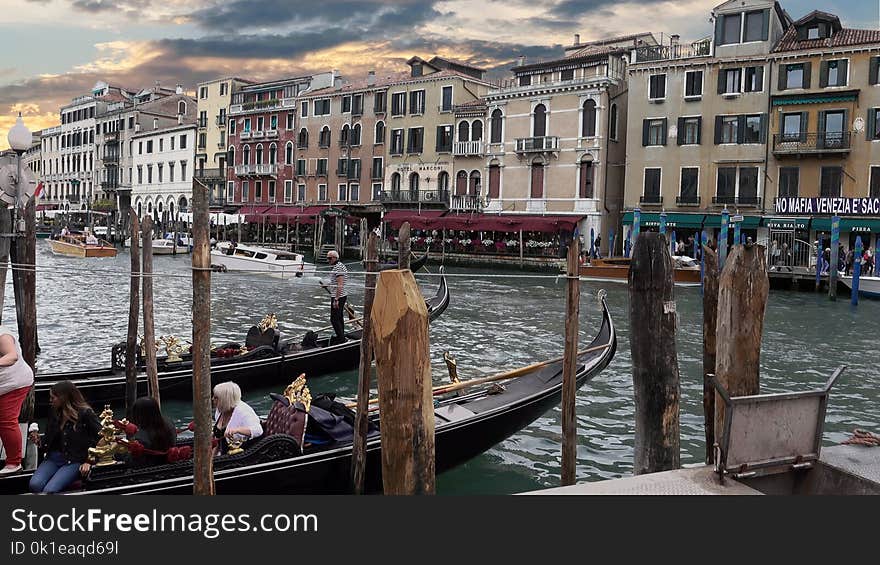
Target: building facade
[[261, 130], [164, 163], [699, 125], [825, 140], [214, 99], [557, 136]]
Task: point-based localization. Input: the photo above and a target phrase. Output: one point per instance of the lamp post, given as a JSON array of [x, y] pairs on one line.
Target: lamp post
[[20, 139]]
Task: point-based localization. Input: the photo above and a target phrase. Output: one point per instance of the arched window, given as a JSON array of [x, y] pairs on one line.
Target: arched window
[[380, 132], [461, 180], [356, 134], [324, 141], [181, 107], [612, 123], [477, 131], [588, 119], [259, 155], [537, 188], [182, 204], [414, 183], [273, 154], [150, 208], [443, 181], [344, 135], [246, 155], [474, 186], [140, 210], [230, 157], [171, 206], [395, 182], [539, 121], [463, 131], [302, 141], [288, 153], [585, 180]]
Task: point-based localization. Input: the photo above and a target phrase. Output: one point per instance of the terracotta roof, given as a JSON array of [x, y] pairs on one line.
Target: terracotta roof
[[113, 97], [470, 103], [586, 54], [359, 84], [843, 38], [456, 62], [815, 14]]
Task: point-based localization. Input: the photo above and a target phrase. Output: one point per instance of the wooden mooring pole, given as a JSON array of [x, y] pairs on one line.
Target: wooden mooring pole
[[133, 303], [654, 357], [710, 320], [203, 456], [742, 301], [832, 268], [569, 366], [149, 327], [403, 246], [400, 346], [365, 373]]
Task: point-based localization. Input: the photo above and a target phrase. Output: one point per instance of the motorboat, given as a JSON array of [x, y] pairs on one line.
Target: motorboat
[[273, 262], [616, 269], [81, 246], [869, 287]]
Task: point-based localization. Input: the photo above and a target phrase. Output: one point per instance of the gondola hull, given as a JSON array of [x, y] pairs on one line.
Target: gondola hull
[[258, 369], [465, 427]]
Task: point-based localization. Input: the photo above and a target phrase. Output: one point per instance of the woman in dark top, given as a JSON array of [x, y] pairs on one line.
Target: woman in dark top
[[155, 432], [73, 428]]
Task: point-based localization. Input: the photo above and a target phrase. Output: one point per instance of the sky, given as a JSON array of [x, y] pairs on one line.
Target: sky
[[54, 50]]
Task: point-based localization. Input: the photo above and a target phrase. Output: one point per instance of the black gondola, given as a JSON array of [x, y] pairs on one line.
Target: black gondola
[[414, 265], [265, 365], [465, 426]]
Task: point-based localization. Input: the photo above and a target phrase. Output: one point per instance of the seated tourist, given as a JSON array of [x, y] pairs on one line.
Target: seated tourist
[[155, 432], [72, 429], [233, 418], [91, 239]]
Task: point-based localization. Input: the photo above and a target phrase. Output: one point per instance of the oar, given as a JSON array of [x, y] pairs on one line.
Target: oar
[[443, 389]]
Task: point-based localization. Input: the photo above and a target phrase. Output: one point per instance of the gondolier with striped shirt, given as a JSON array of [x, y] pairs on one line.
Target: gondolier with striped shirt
[[337, 292]]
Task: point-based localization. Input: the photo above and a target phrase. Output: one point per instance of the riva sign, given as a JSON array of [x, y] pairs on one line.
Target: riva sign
[[828, 206]]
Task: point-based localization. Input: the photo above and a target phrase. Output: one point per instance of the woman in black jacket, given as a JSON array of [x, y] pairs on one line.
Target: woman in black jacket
[[73, 428]]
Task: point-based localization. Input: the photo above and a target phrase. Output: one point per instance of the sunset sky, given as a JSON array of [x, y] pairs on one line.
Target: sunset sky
[[54, 50]]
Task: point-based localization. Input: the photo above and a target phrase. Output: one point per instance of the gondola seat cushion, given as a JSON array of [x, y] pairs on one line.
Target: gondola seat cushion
[[256, 338], [286, 419]]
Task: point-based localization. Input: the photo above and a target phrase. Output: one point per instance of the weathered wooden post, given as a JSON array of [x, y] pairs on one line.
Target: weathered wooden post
[[149, 328], [365, 372], [203, 456], [569, 366], [832, 268], [24, 283], [857, 271], [131, 344], [6, 236], [742, 301], [403, 246], [710, 321], [400, 346], [654, 356]]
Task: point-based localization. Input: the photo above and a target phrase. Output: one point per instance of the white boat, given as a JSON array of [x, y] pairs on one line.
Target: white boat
[[868, 286], [273, 262], [166, 246]]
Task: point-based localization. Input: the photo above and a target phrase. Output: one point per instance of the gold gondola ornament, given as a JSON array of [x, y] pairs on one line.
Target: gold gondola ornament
[[298, 391], [108, 446]]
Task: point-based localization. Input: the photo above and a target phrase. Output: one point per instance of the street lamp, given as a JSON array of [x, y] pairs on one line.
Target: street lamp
[[20, 139]]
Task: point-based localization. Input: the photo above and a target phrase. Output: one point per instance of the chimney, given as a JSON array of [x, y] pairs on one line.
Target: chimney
[[137, 127], [155, 123], [371, 78], [673, 39], [179, 89], [179, 119], [522, 61], [577, 39]]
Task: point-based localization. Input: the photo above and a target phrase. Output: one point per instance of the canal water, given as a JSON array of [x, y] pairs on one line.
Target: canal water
[[493, 323]]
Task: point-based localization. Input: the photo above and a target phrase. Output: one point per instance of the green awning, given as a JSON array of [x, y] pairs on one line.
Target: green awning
[[786, 223], [748, 222], [672, 220], [815, 99], [821, 224], [859, 225]]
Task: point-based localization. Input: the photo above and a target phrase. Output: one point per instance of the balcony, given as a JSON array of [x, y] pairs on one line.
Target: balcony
[[537, 144], [110, 159], [210, 174], [377, 175], [262, 105], [109, 186], [687, 200], [750, 201], [651, 199], [271, 133], [202, 123], [802, 143], [111, 137], [726, 199], [465, 148], [258, 134], [256, 170], [669, 52], [221, 120], [414, 196], [467, 202], [245, 134]]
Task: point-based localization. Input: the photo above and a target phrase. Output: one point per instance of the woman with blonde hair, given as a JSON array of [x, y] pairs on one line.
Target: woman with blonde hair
[[16, 378], [232, 416]]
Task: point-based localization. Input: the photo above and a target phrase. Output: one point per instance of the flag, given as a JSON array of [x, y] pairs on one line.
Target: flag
[[39, 192]]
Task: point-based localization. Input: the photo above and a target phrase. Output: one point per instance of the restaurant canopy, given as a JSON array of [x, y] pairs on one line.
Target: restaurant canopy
[[439, 220], [418, 219]]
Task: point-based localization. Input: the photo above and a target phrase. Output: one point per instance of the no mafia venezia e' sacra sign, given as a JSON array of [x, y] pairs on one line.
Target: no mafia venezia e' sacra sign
[[828, 206]]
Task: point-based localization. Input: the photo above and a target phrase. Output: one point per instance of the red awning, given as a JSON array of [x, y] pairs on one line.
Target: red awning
[[420, 220], [41, 207], [509, 223]]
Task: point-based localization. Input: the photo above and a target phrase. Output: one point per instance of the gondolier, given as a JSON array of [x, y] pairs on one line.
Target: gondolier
[[337, 292]]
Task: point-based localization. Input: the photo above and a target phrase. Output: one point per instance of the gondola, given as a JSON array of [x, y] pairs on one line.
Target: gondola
[[414, 266], [465, 426], [264, 365]]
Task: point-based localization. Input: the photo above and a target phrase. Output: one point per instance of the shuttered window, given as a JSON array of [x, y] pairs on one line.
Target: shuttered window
[[494, 181], [537, 188], [585, 190], [875, 182]]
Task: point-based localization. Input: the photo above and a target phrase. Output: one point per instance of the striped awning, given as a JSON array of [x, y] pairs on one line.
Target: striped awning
[[815, 99]]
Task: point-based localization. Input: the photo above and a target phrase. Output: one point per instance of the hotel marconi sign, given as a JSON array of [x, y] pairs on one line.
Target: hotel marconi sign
[[828, 206]]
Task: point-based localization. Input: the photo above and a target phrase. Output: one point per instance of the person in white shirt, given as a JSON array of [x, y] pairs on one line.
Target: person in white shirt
[[233, 418], [90, 238]]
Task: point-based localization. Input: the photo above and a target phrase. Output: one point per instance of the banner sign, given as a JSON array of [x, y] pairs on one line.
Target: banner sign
[[828, 206]]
